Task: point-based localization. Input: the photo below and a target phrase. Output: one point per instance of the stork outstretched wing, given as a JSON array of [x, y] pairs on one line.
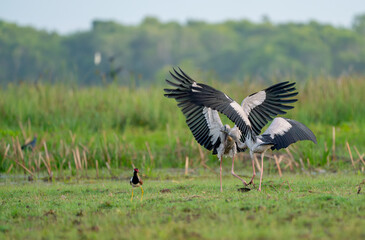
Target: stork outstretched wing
[[204, 122], [199, 94], [282, 132], [262, 106]]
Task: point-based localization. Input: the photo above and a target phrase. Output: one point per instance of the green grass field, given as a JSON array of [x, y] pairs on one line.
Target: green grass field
[[326, 206]]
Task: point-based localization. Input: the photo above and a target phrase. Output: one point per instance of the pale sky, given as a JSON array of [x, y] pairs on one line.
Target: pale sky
[[67, 16]]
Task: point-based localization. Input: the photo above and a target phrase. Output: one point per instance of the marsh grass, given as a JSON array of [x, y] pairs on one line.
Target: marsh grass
[[326, 206], [114, 127]]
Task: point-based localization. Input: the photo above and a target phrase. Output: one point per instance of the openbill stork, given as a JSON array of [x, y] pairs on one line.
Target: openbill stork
[[136, 181], [280, 134], [201, 103]]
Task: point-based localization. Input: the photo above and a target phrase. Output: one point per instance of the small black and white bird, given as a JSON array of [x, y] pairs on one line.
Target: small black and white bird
[[30, 145], [201, 103], [136, 181]]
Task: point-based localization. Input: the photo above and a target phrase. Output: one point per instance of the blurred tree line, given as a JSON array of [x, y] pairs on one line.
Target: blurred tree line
[[231, 50]]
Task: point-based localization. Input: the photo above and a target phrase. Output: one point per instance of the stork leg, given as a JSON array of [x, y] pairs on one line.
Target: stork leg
[[262, 169], [220, 172], [132, 195], [234, 174], [253, 171], [142, 194]]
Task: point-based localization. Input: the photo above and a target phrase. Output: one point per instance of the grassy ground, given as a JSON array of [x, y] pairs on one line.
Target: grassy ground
[[311, 207]]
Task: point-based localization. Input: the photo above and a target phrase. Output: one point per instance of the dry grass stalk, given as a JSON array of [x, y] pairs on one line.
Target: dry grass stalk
[[6, 150], [292, 160], [97, 168], [73, 138], [361, 157], [78, 158], [301, 163], [9, 169], [109, 169], [333, 143], [47, 154], [49, 171], [76, 162], [201, 155], [24, 167], [18, 152], [202, 159], [178, 148], [22, 130], [278, 165], [106, 153], [186, 165], [308, 164], [84, 162], [70, 167], [352, 160], [38, 162], [150, 153]]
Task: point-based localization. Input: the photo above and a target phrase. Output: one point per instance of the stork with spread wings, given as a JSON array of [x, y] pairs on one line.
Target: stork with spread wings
[[201, 103]]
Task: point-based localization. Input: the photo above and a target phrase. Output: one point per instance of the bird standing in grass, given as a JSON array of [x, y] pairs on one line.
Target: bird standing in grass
[[136, 181], [201, 103], [30, 145]]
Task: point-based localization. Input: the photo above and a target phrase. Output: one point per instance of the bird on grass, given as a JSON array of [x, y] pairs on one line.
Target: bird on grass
[[136, 181], [201, 103], [30, 145]]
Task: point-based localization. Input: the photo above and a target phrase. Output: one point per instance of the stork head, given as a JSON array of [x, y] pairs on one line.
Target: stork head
[[136, 170]]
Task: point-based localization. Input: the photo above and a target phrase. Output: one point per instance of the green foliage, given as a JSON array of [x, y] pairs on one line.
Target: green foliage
[[292, 207], [119, 125], [230, 50]]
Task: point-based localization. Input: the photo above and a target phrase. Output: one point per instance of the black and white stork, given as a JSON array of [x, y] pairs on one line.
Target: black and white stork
[[201, 103], [136, 181]]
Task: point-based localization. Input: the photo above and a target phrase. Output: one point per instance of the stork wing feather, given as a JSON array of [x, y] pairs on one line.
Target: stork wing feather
[[262, 106], [205, 96], [204, 122], [282, 132]]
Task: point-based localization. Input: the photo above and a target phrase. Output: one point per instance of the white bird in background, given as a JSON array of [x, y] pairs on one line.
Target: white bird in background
[[201, 103]]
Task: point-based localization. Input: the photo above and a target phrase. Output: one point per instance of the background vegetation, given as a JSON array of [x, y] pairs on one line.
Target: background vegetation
[[110, 112], [114, 127], [230, 50]]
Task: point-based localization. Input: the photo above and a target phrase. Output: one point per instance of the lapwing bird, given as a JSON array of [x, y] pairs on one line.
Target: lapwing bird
[[30, 145], [201, 103], [136, 181]]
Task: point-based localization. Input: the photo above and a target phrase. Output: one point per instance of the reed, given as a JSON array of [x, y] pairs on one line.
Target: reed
[[111, 127]]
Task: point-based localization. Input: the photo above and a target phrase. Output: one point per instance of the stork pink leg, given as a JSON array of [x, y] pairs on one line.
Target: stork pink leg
[[220, 172], [234, 174], [253, 171], [262, 169]]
